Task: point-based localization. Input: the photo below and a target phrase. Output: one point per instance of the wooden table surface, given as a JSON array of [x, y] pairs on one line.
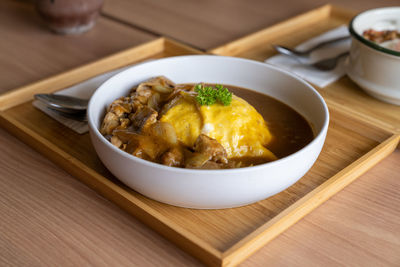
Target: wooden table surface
[[213, 23], [47, 218]]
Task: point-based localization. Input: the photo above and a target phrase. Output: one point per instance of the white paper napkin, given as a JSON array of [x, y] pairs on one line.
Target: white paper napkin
[[82, 90], [317, 77]]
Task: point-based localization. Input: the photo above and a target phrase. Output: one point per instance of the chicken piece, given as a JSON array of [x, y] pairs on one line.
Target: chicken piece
[[116, 141], [196, 160], [123, 123], [143, 118], [120, 106], [211, 165], [143, 96], [136, 104], [116, 115], [199, 161], [149, 92], [159, 84], [173, 157], [210, 147], [110, 122]]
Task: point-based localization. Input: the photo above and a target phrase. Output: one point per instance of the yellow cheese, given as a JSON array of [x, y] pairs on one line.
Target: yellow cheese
[[186, 119], [239, 128]]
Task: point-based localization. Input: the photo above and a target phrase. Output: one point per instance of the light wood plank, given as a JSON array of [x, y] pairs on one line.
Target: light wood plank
[[30, 52], [343, 94], [212, 236], [203, 233], [71, 225], [360, 226], [50, 218], [207, 24], [241, 250], [75, 226], [74, 76]]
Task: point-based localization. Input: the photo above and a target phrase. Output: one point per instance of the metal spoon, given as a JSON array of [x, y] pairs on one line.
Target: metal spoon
[[78, 116], [294, 52], [63, 103], [328, 63]]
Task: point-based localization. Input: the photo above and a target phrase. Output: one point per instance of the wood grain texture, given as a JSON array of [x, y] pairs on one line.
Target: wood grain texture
[[218, 239], [49, 218], [358, 227], [30, 52], [76, 75], [207, 24], [208, 234], [343, 94]]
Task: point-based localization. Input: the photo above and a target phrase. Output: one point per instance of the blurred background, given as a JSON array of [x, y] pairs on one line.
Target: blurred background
[[30, 51]]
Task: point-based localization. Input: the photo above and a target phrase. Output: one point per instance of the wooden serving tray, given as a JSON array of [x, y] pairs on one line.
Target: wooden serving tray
[[343, 94], [217, 237]]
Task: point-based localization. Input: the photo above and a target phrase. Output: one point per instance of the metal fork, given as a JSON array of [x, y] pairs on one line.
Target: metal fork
[[295, 52]]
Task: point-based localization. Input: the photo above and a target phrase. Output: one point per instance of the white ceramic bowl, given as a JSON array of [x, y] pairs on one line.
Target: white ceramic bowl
[[374, 68], [211, 189]]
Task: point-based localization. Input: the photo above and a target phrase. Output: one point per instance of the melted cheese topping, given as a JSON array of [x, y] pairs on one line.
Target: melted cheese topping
[[239, 128], [186, 119]]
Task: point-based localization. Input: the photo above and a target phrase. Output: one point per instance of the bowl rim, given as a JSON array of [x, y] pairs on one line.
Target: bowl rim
[[318, 138], [368, 42]]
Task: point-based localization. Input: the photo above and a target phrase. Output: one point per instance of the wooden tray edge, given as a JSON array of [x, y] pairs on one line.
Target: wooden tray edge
[[165, 227], [179, 236], [76, 75], [150, 217], [68, 78], [251, 40], [254, 39], [362, 116], [268, 231]]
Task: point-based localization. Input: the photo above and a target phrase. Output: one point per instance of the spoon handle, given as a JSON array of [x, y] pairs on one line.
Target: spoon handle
[[325, 43], [305, 53], [63, 101]]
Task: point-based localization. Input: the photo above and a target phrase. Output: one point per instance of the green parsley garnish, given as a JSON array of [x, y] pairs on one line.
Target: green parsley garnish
[[208, 95]]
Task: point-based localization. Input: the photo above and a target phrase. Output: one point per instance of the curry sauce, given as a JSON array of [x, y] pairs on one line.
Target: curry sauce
[[162, 122], [291, 130]]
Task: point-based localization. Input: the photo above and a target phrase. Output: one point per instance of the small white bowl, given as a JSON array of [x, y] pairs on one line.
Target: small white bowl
[[211, 189], [375, 68]]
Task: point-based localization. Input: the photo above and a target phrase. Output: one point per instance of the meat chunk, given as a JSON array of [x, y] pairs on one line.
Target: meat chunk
[[143, 118], [173, 157], [116, 115], [381, 36], [196, 160], [200, 161], [110, 122], [149, 92], [210, 147], [143, 96], [159, 84], [116, 141], [124, 123], [211, 165]]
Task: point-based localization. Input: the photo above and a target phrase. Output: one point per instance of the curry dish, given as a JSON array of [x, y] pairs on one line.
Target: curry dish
[[199, 126]]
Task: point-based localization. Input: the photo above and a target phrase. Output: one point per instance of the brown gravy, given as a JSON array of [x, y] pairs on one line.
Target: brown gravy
[[132, 123], [291, 130]]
